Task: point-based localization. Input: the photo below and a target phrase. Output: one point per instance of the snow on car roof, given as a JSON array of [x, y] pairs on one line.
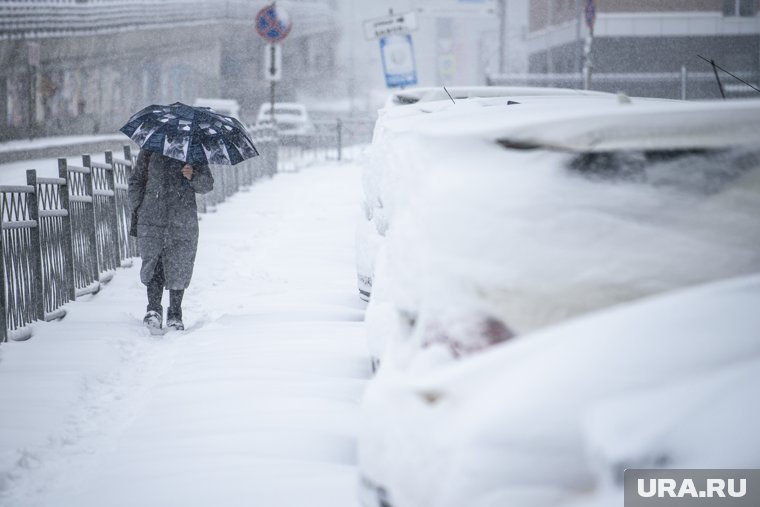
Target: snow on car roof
[[656, 126], [584, 123], [429, 94]]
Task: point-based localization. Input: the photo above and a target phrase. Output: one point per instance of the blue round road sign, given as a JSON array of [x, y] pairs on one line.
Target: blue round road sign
[[273, 23]]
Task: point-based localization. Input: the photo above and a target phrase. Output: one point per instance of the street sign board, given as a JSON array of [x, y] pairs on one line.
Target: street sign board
[[273, 23], [389, 25], [456, 8], [273, 62], [590, 14], [399, 66]]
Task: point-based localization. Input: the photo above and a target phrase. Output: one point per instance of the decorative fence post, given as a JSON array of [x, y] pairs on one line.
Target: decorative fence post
[[3, 285], [132, 164], [119, 222], [35, 254], [339, 128], [122, 171], [92, 223], [55, 245], [68, 233], [83, 236], [20, 260]]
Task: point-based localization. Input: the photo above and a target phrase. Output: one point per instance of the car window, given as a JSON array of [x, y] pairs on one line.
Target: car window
[[695, 171]]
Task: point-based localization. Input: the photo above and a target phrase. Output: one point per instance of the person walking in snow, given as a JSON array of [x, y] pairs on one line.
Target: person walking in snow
[[162, 197]]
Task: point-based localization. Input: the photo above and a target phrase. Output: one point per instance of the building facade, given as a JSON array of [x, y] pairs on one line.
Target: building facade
[[73, 67], [647, 47]]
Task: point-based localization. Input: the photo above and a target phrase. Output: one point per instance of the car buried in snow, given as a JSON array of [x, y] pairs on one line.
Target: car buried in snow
[[555, 418], [509, 230], [404, 110]]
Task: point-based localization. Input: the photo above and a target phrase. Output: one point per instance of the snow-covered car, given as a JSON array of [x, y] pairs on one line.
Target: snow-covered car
[[292, 118], [555, 417], [403, 113], [503, 219]]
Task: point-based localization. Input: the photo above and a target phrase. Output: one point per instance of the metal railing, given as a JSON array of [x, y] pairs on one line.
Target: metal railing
[[329, 140], [55, 243], [62, 238], [20, 269]]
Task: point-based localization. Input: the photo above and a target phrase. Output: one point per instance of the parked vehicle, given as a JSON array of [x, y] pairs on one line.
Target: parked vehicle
[[535, 212], [554, 418], [292, 118], [503, 229], [405, 112]]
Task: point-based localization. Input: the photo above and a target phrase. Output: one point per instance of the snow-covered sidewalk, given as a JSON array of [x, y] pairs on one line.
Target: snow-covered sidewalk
[[255, 404]]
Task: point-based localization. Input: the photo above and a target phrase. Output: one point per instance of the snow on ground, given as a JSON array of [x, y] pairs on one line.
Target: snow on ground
[[255, 404]]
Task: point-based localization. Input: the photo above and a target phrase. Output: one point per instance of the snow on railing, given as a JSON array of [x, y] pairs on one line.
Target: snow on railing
[[28, 19]]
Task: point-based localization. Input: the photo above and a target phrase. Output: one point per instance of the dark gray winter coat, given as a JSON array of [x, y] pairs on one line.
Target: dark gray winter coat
[[167, 216]]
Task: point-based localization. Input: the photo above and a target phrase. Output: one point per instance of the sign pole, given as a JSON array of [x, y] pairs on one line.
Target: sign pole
[[271, 103], [273, 25], [272, 71], [588, 66], [272, 52]]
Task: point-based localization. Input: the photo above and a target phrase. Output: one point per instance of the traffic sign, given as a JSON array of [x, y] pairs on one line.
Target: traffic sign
[[389, 25], [398, 60], [273, 62], [273, 23], [590, 14]]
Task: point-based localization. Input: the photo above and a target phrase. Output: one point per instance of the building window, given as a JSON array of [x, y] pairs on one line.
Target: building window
[[747, 8], [743, 8]]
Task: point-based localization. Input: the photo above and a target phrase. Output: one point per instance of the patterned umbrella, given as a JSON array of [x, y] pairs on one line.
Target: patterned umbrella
[[195, 135]]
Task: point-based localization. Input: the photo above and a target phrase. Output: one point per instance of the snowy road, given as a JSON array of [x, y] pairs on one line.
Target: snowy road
[[256, 404]]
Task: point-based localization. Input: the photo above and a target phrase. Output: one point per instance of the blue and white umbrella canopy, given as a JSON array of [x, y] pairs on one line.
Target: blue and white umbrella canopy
[[195, 135]]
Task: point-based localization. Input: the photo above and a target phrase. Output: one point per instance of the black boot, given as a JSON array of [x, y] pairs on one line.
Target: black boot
[[154, 317], [174, 314]]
